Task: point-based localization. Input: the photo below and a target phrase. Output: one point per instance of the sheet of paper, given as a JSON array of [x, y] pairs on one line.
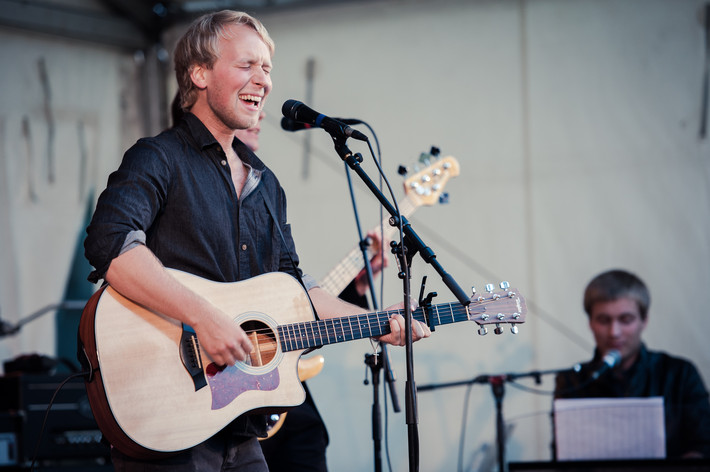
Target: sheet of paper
[[609, 428]]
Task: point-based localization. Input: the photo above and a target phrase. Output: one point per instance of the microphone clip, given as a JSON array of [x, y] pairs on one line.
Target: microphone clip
[[344, 151]]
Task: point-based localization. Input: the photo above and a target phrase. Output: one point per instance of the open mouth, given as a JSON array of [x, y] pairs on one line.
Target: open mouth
[[252, 101]]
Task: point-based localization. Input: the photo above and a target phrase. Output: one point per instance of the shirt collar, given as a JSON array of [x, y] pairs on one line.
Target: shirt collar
[[204, 139], [199, 132]]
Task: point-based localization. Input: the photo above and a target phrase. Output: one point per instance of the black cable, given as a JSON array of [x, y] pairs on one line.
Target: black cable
[[377, 158], [464, 420], [46, 415]]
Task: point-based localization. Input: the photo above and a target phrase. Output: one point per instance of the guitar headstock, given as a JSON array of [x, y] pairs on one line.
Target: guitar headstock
[[427, 185], [498, 307]]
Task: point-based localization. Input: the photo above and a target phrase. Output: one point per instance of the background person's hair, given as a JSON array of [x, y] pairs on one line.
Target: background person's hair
[[613, 285]]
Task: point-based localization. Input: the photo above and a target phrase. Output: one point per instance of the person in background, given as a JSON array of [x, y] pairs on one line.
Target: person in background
[[196, 199], [300, 443], [617, 304]]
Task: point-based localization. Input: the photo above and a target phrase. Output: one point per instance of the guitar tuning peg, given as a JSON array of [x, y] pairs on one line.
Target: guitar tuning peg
[[434, 151], [401, 170], [473, 290], [489, 288], [499, 329], [514, 328], [504, 285], [444, 198], [482, 330], [425, 158]]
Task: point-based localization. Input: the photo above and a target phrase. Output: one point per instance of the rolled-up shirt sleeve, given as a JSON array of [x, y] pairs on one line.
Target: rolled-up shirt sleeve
[[127, 207], [309, 282]]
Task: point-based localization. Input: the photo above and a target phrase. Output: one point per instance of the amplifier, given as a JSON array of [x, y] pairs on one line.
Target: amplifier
[[70, 431]]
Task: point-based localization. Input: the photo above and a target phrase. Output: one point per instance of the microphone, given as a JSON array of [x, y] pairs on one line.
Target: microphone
[[610, 360], [297, 111], [287, 124]]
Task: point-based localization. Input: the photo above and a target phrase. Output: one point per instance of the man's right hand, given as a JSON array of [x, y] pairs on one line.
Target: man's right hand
[[222, 339]]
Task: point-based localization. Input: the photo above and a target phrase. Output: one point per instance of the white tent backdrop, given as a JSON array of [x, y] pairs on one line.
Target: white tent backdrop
[[576, 128]]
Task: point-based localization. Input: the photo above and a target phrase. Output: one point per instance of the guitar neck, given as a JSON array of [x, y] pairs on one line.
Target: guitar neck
[[342, 274], [310, 334], [501, 307]]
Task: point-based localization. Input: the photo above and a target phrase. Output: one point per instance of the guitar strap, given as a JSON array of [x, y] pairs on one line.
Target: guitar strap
[[270, 207]]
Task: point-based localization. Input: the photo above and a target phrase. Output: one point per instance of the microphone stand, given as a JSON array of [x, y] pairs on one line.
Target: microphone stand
[[7, 329], [375, 362], [410, 245], [497, 383]]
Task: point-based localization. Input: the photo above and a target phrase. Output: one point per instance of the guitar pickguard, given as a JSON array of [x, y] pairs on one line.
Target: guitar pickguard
[[260, 373], [228, 383]]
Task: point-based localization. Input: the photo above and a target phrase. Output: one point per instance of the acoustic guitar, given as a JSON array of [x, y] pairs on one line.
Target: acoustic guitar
[[153, 391]]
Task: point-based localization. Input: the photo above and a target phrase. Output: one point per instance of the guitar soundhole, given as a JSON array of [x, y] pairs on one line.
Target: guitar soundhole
[[264, 341]]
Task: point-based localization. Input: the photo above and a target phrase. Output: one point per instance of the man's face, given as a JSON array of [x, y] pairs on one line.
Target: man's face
[[240, 78], [617, 325]]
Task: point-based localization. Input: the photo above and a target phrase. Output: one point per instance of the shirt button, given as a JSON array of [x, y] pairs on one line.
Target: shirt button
[[244, 247], [224, 163]]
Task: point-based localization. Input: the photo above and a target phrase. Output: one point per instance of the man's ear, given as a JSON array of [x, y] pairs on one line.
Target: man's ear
[[198, 74]]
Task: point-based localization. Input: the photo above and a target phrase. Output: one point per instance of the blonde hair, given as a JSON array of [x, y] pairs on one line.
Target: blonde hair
[[200, 45]]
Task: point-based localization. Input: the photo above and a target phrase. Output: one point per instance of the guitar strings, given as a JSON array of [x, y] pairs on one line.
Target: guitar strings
[[305, 334]]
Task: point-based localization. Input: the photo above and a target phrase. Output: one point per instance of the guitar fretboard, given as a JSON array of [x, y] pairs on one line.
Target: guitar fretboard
[[310, 334]]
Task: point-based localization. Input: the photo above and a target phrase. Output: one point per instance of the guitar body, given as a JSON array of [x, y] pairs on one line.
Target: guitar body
[[142, 395]]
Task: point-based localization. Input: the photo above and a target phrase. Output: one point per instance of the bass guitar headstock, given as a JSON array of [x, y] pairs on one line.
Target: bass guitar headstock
[[426, 186]]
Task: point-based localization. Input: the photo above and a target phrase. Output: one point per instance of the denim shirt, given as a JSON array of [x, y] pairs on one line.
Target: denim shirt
[[174, 193], [654, 374]]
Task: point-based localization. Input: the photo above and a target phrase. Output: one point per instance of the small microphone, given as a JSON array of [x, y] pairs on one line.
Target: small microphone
[[609, 361], [297, 111], [287, 124]]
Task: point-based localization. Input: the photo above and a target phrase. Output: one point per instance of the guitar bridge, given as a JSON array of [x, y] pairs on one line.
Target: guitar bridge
[[191, 358]]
